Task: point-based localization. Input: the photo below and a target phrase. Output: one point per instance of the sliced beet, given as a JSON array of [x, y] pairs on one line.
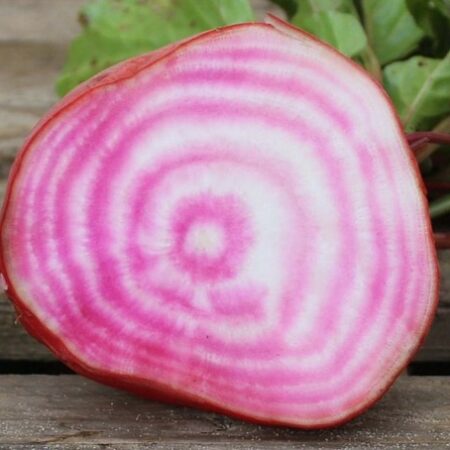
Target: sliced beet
[[234, 222]]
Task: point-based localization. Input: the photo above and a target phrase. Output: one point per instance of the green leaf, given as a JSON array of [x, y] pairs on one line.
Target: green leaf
[[420, 90], [391, 29], [433, 17], [440, 207], [442, 5], [289, 6], [316, 6], [118, 29], [334, 21]]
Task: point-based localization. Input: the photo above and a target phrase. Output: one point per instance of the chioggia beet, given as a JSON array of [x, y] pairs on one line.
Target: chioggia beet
[[235, 222]]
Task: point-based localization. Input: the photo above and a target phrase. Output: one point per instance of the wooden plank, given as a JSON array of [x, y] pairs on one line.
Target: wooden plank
[[70, 410], [17, 345], [39, 20], [26, 92], [444, 264], [55, 21], [34, 36], [437, 345]]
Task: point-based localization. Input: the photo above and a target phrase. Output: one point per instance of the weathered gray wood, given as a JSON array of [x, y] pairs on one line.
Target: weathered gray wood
[[34, 35], [437, 348], [39, 20], [16, 344], [437, 345], [70, 410], [444, 263], [33, 40], [54, 21]]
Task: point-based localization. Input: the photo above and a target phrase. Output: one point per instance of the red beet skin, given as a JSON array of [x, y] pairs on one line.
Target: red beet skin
[[234, 222]]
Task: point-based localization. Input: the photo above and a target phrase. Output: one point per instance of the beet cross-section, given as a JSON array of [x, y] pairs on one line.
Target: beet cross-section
[[234, 222]]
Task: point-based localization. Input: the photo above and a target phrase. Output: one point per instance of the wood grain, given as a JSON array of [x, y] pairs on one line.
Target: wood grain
[[15, 344], [70, 410], [34, 36], [67, 412]]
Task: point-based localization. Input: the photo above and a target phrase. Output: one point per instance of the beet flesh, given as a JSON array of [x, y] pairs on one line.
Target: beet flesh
[[234, 222]]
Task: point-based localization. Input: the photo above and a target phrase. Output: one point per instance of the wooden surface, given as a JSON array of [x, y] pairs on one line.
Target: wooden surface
[[22, 347], [38, 411], [69, 410], [34, 35]]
